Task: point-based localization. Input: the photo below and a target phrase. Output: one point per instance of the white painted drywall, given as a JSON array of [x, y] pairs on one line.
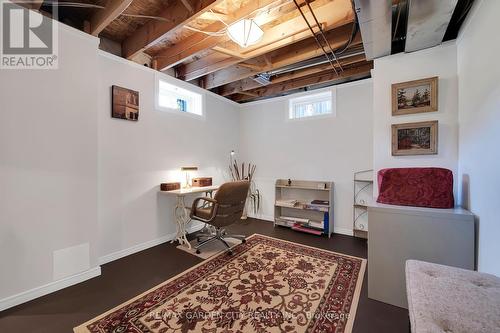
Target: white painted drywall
[[479, 126], [78, 185], [48, 166], [135, 157], [437, 61], [328, 149]]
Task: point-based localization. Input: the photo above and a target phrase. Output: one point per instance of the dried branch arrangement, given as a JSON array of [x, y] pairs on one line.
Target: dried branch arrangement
[[246, 172]]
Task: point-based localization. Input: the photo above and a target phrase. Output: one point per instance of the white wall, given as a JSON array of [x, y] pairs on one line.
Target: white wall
[[437, 61], [328, 149], [135, 157], [48, 168], [79, 187], [479, 122]]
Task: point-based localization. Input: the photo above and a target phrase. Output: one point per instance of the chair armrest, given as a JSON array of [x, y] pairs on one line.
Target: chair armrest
[[213, 211]]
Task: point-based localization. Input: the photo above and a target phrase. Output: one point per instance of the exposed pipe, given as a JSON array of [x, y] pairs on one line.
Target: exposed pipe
[[314, 62], [315, 38], [322, 33]]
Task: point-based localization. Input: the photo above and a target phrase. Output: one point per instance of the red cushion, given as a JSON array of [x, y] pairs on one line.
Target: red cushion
[[421, 187]]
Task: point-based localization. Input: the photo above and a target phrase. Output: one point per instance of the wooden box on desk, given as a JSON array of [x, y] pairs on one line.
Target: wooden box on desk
[[202, 181], [170, 186]]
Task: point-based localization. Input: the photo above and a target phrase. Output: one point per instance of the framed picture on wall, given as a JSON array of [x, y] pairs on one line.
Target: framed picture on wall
[[415, 96], [415, 138], [125, 103]]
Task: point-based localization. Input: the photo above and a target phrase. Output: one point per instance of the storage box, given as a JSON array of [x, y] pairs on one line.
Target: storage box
[[170, 186], [202, 181]]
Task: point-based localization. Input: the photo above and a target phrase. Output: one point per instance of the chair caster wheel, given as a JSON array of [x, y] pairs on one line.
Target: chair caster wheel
[[243, 241], [198, 251]]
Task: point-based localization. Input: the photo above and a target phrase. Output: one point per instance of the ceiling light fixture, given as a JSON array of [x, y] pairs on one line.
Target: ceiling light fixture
[[245, 32]]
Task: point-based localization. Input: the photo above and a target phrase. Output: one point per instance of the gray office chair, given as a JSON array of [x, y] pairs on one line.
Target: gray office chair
[[224, 209]]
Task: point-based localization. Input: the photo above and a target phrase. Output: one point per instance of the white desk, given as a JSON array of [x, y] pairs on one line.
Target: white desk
[[181, 212]]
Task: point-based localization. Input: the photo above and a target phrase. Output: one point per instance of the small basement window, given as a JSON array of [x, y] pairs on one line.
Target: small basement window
[[175, 98], [312, 105]]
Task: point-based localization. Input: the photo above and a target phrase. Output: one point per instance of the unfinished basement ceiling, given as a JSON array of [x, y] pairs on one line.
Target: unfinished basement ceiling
[[305, 45]]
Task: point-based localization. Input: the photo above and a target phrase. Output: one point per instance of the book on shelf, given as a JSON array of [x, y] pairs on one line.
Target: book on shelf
[[285, 223], [320, 202], [287, 202], [294, 219], [320, 208], [316, 224], [300, 227]]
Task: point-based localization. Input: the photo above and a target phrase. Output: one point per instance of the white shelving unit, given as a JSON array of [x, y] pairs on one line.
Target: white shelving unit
[[304, 191]]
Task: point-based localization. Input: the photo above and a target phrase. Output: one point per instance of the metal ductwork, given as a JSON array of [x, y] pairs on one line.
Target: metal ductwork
[[427, 23], [351, 52], [375, 19]]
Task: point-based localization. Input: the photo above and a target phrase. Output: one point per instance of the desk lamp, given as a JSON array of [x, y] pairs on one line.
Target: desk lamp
[[187, 170]]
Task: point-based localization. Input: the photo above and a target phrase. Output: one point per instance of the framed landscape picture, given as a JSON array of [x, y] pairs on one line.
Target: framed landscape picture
[[415, 96], [125, 103], [415, 138]]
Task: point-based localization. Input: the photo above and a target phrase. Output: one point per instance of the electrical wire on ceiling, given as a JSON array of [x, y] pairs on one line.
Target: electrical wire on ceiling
[[355, 29]]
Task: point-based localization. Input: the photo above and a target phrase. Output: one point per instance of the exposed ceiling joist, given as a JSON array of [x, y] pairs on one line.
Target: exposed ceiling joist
[[249, 84], [285, 56], [198, 42], [154, 31], [311, 80], [102, 18], [330, 15], [188, 5]]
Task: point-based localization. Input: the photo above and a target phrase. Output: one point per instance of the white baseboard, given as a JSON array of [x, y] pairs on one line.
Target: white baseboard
[[143, 246], [37, 292]]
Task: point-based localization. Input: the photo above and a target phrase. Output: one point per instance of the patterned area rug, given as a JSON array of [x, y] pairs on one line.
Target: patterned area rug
[[267, 285]]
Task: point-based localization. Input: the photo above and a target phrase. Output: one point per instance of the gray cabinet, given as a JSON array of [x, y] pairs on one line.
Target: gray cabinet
[[398, 233]]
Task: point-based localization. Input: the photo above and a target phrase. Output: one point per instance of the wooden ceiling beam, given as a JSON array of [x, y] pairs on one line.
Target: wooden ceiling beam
[[330, 15], [249, 84], [103, 17], [199, 42], [154, 31], [280, 58], [228, 52], [311, 80], [216, 16], [188, 5]]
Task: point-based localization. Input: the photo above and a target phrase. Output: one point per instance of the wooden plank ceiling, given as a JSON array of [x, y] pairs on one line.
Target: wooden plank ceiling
[[187, 39]]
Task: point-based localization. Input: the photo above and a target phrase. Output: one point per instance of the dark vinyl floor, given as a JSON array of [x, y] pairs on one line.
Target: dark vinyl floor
[[125, 278]]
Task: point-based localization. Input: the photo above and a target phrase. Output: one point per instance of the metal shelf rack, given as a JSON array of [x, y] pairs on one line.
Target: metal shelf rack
[[362, 189]]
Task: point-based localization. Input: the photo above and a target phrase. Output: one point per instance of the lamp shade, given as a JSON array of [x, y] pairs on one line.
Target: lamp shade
[[245, 32]]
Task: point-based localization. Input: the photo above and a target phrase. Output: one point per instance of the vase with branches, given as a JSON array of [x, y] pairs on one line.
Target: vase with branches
[[246, 172]]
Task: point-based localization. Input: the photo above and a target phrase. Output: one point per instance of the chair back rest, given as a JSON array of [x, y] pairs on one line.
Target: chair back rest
[[231, 198]]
